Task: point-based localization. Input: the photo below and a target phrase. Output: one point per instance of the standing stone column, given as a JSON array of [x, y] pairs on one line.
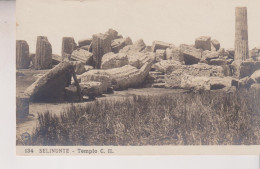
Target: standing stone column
[[101, 44], [22, 54], [68, 45], [241, 34], [43, 55]]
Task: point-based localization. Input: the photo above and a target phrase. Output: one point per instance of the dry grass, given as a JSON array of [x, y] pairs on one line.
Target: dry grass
[[206, 118]]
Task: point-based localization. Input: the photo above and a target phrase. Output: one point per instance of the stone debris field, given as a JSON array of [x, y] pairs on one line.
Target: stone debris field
[[108, 62]]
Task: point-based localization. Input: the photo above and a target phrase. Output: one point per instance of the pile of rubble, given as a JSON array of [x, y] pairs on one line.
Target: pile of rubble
[[108, 62]]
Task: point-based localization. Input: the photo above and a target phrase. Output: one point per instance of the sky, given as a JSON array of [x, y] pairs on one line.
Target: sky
[[173, 21]]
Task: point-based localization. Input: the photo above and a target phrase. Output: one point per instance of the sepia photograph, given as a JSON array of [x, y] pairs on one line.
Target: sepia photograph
[[129, 73]]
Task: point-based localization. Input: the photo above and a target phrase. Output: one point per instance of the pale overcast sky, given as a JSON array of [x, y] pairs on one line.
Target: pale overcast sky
[[174, 21]]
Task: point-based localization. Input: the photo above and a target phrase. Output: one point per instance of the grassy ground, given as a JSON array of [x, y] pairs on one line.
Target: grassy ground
[[206, 118]]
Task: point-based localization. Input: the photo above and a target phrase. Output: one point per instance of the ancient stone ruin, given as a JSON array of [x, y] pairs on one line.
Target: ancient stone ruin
[[68, 46], [108, 62], [241, 34], [22, 54], [43, 55]]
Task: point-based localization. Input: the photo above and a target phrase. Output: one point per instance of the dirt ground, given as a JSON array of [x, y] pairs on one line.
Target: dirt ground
[[25, 78]]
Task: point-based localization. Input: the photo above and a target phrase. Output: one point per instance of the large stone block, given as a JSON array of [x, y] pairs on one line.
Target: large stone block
[[160, 45], [83, 56], [43, 55], [68, 46], [203, 42], [190, 54], [119, 44], [111, 60], [101, 44], [22, 54]]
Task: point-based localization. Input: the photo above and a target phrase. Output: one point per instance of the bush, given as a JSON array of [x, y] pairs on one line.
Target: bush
[[205, 118]]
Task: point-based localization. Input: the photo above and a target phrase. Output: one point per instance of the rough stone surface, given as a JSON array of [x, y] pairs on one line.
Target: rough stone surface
[[113, 34], [51, 86], [256, 76], [79, 67], [84, 42], [138, 46], [97, 76], [138, 59], [22, 54], [83, 56], [101, 44], [165, 66], [160, 54], [241, 34], [92, 88], [119, 78], [174, 53], [215, 44], [247, 68], [208, 55], [160, 45], [190, 54], [119, 44], [190, 82], [203, 42], [217, 62], [43, 55], [68, 46], [245, 82], [111, 60]]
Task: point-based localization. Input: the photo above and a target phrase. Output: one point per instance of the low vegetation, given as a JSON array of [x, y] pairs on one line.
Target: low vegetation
[[204, 118]]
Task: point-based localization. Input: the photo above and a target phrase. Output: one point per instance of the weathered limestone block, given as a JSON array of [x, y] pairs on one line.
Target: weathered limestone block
[[190, 82], [245, 82], [218, 62], [256, 76], [118, 44], [190, 54], [241, 34], [84, 42], [97, 76], [215, 43], [101, 44], [92, 88], [138, 59], [111, 60], [174, 53], [203, 42], [222, 52], [128, 76], [113, 34], [208, 55], [22, 54], [22, 106], [200, 69], [79, 67], [83, 56], [43, 55], [120, 78], [51, 86], [138, 46], [247, 68], [86, 47], [68, 46], [160, 45], [166, 65], [160, 54]]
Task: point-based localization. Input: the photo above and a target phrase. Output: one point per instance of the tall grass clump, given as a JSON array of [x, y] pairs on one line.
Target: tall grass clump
[[205, 118]]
